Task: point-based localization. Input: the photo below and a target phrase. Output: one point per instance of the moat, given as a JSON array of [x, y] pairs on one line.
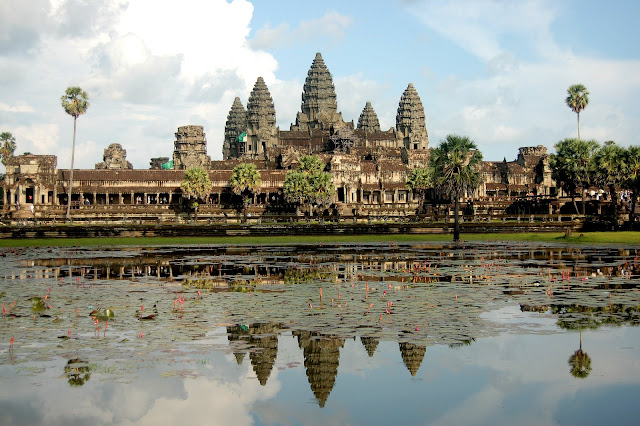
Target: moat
[[340, 333]]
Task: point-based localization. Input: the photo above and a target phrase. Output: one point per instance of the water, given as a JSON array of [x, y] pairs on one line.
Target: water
[[494, 333]]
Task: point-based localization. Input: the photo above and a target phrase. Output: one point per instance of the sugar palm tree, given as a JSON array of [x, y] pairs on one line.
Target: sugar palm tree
[[577, 100], [197, 185], [75, 102], [245, 180], [455, 165], [7, 146], [610, 170]]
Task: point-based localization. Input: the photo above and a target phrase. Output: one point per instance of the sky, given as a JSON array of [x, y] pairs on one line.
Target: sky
[[495, 71]]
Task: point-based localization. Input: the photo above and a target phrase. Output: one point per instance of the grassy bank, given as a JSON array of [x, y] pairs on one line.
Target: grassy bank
[[626, 238]]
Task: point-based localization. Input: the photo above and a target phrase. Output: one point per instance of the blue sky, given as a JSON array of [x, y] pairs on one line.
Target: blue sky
[[496, 71]]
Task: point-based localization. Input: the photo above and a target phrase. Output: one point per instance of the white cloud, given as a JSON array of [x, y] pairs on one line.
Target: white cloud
[[333, 27], [19, 107], [520, 99]]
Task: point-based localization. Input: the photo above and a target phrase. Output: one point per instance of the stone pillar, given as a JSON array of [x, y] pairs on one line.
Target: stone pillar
[[106, 198]]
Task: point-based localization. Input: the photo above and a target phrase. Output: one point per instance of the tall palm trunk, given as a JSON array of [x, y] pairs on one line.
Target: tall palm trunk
[[578, 125], [584, 201], [456, 219], [73, 153]]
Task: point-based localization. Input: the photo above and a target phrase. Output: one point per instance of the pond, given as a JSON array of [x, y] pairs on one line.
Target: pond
[[351, 333]]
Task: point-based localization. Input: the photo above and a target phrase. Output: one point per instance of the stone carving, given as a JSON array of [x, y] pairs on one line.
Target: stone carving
[[190, 148], [410, 121], [319, 101], [114, 158], [368, 120], [236, 124], [156, 163], [261, 122]]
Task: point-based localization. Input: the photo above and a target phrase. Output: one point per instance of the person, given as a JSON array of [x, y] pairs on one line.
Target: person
[[31, 209]]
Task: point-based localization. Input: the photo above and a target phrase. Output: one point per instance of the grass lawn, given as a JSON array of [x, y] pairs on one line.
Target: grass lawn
[[579, 238]]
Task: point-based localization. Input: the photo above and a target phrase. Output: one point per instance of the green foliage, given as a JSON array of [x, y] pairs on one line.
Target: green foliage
[[632, 171], [309, 184], [196, 184], [455, 165], [609, 167], [75, 101], [245, 178], [7, 146], [571, 165], [577, 99], [419, 180]]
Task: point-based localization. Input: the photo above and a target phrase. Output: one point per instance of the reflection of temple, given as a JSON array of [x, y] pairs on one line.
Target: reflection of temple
[[321, 359], [261, 341], [412, 356], [238, 336], [264, 349], [370, 344]]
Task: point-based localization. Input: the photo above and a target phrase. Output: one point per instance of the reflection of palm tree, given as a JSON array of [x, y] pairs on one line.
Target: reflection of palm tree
[[580, 362], [78, 371]]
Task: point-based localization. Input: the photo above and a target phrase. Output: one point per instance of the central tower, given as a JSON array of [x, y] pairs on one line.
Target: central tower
[[319, 104]]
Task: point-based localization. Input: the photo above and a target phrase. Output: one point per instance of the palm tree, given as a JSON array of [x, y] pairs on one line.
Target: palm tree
[[245, 180], [571, 166], [419, 181], [7, 146], [455, 168], [75, 102], [196, 184], [610, 170], [577, 100], [580, 362], [632, 179]]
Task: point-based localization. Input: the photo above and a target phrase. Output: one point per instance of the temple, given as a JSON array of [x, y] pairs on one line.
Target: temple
[[368, 165]]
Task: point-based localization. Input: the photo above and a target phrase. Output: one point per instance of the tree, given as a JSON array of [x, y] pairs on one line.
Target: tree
[[75, 102], [571, 166], [196, 185], [7, 146], [245, 180], [580, 362], [577, 100], [609, 170], [309, 184], [632, 177], [419, 181], [455, 165]]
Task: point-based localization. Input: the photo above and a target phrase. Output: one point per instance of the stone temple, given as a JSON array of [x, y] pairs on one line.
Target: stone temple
[[368, 165]]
